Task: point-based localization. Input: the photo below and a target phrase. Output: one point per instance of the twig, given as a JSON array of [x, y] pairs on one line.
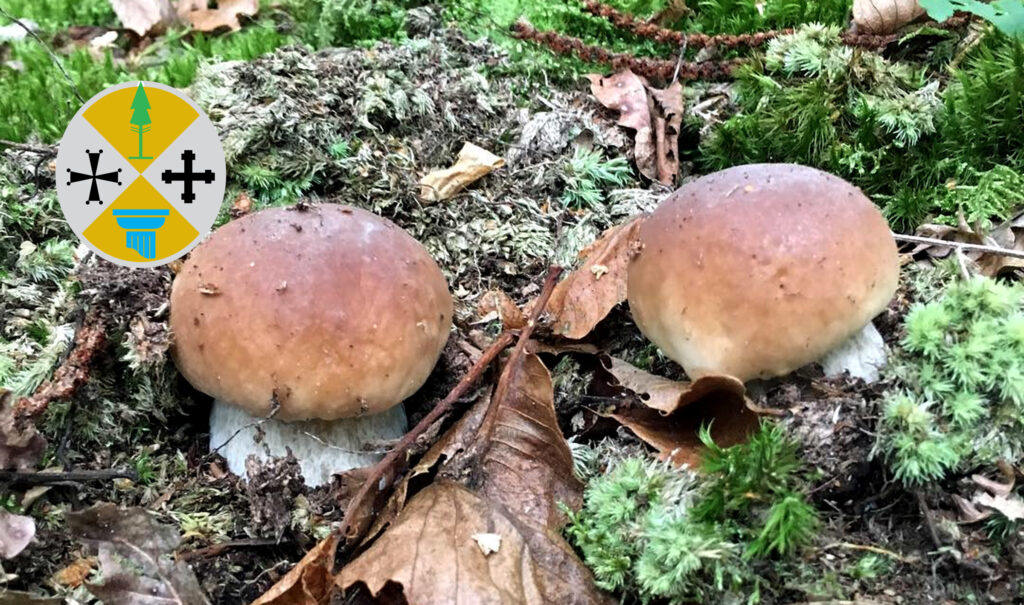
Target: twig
[[50, 478], [917, 239], [53, 56], [376, 479], [41, 149], [910, 560], [216, 549], [929, 520], [382, 476], [644, 66]]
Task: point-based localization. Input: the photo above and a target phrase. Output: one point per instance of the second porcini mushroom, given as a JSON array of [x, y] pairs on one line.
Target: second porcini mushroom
[[323, 318], [757, 270]]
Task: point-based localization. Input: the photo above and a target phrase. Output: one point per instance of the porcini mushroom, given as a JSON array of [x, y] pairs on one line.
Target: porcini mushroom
[[757, 270], [324, 317]]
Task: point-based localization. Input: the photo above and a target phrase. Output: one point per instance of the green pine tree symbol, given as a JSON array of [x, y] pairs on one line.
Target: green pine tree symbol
[[140, 118]]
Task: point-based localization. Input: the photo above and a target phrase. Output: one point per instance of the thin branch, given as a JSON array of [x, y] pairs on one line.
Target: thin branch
[[961, 245], [218, 549], [53, 56], [51, 478], [382, 476], [47, 150], [910, 560]]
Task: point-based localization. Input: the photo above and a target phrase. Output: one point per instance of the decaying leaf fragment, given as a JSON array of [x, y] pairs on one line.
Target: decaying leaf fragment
[[521, 469], [1008, 235], [310, 582], [665, 395], [673, 412], [136, 555], [16, 532], [586, 295], [655, 114], [145, 16], [884, 16], [473, 163], [225, 15]]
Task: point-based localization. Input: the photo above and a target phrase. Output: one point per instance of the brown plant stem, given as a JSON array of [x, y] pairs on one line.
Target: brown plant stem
[[655, 32], [48, 478], [71, 374], [383, 474], [644, 66]]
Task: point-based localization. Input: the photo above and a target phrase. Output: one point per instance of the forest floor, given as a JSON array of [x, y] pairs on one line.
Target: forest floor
[[360, 122]]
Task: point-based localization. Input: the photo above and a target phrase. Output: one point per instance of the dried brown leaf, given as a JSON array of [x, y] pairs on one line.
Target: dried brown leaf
[[184, 7], [667, 113], [521, 468], [225, 15], [503, 308], [16, 532], [665, 395], [586, 295], [145, 16], [310, 582], [136, 555], [674, 412], [1011, 507], [473, 164], [76, 573], [884, 16], [655, 114]]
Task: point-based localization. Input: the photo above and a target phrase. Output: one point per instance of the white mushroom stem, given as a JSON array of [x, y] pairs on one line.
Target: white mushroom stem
[[322, 447], [862, 355]]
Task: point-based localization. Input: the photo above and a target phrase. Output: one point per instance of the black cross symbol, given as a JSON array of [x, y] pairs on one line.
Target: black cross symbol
[[94, 164], [188, 177]]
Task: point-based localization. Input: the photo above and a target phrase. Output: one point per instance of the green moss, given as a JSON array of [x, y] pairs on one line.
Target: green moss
[[588, 174], [659, 532], [959, 402], [54, 15]]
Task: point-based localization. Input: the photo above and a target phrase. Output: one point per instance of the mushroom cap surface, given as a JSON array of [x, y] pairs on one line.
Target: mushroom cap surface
[[756, 270], [334, 311]]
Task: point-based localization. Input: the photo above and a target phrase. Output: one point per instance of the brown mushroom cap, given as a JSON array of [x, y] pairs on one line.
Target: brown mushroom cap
[[335, 311], [757, 270]]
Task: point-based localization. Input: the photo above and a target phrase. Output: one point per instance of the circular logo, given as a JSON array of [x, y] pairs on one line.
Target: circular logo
[[140, 174]]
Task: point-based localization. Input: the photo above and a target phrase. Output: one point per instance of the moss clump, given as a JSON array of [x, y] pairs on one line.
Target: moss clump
[[960, 375], [657, 532]]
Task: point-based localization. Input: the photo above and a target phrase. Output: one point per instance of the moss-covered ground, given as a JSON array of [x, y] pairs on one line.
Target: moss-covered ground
[[352, 102]]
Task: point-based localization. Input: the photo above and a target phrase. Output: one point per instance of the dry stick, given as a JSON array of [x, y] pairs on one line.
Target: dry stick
[[48, 478], [378, 471], [53, 56], [216, 549], [962, 246], [390, 461], [876, 550], [40, 149]]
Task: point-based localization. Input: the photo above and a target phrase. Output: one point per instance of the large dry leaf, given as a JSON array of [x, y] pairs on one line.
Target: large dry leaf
[[310, 582], [225, 15], [184, 7], [665, 395], [16, 531], [884, 16], [673, 412], [495, 304], [136, 555], [21, 445], [515, 467], [581, 300], [145, 16], [473, 164], [655, 115]]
